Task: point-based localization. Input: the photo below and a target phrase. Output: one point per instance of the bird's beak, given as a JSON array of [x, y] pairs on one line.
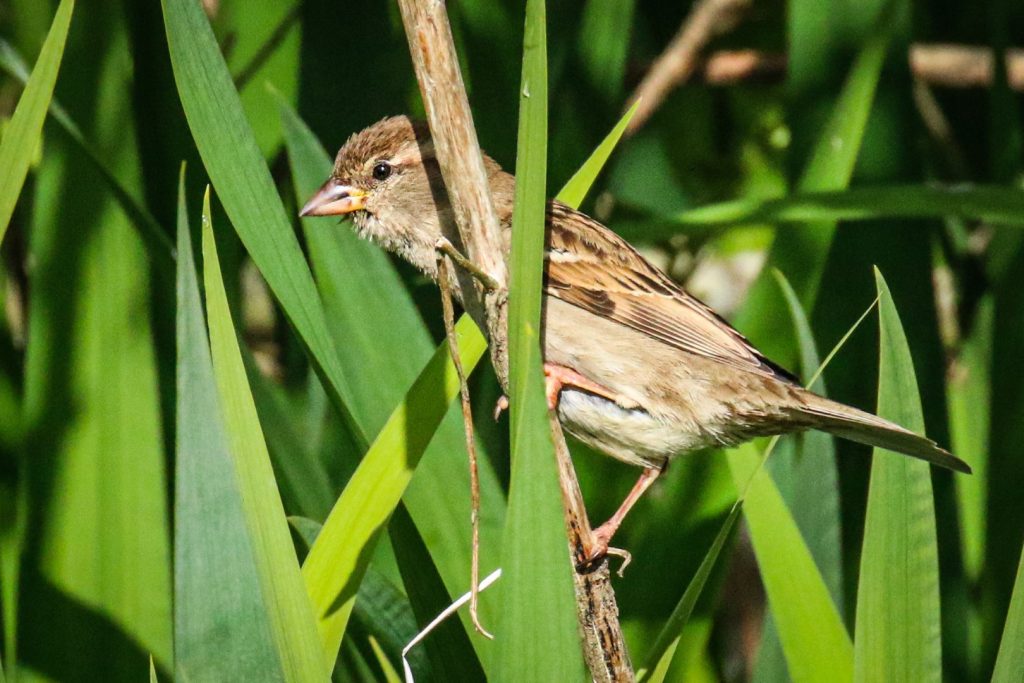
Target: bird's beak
[[334, 198]]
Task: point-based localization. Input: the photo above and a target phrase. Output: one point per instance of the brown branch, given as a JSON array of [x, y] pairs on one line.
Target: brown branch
[[462, 166], [963, 66], [727, 67], [949, 66], [707, 19], [604, 646], [458, 154]]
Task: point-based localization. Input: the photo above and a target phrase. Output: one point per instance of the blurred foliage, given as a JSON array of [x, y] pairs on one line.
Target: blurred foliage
[[119, 451]]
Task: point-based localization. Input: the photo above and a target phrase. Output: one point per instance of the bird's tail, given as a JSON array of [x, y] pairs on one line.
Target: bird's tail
[[857, 425]]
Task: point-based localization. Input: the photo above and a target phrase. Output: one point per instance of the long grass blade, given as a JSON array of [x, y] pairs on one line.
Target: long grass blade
[[245, 188], [149, 229], [221, 628], [809, 476], [1010, 660], [995, 204], [288, 609], [537, 635], [22, 135], [343, 550], [573, 192], [814, 640], [898, 624]]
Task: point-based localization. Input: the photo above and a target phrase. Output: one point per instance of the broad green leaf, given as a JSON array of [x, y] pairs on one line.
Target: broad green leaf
[[808, 476], [1010, 660], [804, 468], [814, 640], [343, 550], [537, 635], [660, 657], [23, 133], [381, 609], [573, 192], [221, 626], [898, 633], [801, 251], [245, 188], [95, 464], [287, 605]]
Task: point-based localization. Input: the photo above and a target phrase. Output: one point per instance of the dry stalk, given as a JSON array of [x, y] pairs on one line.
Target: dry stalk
[[458, 154], [462, 167], [467, 423]]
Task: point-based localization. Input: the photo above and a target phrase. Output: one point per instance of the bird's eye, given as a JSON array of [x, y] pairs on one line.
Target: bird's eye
[[381, 170]]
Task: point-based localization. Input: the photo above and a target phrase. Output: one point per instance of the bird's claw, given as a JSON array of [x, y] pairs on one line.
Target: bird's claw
[[500, 406], [598, 549]]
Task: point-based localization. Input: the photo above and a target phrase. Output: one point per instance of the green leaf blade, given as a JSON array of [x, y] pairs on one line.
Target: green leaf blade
[[243, 183], [537, 635], [898, 633], [660, 657], [21, 138], [342, 551], [814, 639], [287, 605], [576, 188], [220, 624], [1010, 660]]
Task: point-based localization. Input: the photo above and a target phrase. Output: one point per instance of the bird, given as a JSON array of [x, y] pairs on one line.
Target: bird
[[635, 366]]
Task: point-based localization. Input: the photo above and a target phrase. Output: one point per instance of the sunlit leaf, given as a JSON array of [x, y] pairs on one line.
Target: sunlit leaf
[[573, 192], [286, 603], [221, 628], [898, 625], [244, 186], [343, 550], [537, 635]]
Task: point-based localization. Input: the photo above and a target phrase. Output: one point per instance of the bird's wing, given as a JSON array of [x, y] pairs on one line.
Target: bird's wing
[[591, 267]]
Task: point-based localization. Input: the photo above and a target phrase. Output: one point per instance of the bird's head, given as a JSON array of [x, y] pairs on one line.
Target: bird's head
[[387, 178]]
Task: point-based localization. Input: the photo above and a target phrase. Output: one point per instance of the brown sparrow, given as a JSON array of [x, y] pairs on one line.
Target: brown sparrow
[[636, 367]]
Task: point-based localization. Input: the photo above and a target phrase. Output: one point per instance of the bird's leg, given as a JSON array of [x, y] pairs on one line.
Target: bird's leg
[[556, 378], [602, 535], [444, 246]]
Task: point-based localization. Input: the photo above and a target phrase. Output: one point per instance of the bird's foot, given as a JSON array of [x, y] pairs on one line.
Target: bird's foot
[[557, 377], [500, 406], [444, 247], [598, 548]]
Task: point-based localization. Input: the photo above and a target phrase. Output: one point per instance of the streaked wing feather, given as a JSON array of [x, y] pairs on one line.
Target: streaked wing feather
[[593, 268]]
